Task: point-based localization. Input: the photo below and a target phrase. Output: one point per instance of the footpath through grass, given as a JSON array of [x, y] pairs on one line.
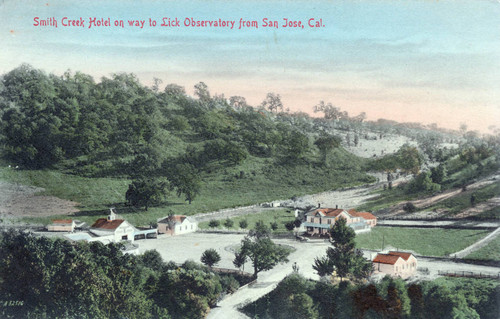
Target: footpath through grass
[[423, 241], [280, 216], [488, 252]]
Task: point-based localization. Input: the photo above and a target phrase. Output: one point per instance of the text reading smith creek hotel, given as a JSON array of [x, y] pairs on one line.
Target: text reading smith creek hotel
[[165, 22]]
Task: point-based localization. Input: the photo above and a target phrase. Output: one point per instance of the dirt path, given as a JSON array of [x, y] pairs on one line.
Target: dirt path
[[482, 207], [431, 200]]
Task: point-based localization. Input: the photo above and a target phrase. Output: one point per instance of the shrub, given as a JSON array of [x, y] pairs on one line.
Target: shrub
[[228, 223], [409, 207], [243, 224], [214, 223], [274, 225]]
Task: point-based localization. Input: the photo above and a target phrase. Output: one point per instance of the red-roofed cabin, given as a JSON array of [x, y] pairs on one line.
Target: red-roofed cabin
[[64, 225], [112, 229], [176, 225], [396, 264]]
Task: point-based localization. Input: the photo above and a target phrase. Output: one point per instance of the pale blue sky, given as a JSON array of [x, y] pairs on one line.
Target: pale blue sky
[[429, 61]]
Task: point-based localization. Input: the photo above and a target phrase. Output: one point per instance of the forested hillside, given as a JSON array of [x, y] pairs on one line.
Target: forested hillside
[[164, 140], [119, 143]]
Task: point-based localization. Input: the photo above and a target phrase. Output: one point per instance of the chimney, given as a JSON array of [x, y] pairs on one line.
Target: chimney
[[336, 206], [319, 205]]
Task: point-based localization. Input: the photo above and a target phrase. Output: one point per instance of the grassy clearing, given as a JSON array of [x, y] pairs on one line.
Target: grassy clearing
[[280, 216], [488, 252], [424, 241], [96, 195]]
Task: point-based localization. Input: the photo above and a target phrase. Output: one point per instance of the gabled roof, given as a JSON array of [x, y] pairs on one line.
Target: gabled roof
[[365, 215], [401, 254], [62, 221], [173, 219], [103, 223], [327, 212], [386, 259]]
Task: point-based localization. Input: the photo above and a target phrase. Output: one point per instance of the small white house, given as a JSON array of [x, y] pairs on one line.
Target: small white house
[[113, 229], [396, 264], [177, 225]]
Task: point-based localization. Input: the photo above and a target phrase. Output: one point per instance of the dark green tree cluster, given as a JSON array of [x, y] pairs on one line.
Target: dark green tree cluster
[[296, 297], [408, 159], [61, 279]]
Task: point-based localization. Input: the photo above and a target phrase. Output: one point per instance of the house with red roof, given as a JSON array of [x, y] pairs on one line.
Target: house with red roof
[[177, 225], [395, 264], [112, 230], [320, 220], [63, 225]]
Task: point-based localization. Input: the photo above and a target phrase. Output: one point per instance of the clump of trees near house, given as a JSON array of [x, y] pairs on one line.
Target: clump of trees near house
[[343, 259]]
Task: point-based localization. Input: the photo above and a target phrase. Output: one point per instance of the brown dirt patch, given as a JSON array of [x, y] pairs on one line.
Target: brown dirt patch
[[18, 200]]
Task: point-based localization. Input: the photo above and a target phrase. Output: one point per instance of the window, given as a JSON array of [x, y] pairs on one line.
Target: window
[[125, 237]]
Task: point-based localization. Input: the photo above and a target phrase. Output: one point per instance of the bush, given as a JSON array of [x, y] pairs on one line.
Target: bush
[[243, 224], [290, 226], [228, 223], [409, 207], [214, 223], [229, 284], [274, 225]]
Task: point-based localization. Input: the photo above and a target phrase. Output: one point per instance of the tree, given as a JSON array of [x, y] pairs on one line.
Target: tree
[[243, 224], [239, 260], [237, 102], [409, 159], [325, 144], [423, 182], [409, 207], [185, 179], [210, 257], [323, 266], [175, 90], [261, 230], [343, 256], [302, 306], [228, 223], [273, 103], [145, 191], [274, 225], [438, 173], [263, 253], [213, 223], [295, 144], [201, 91], [330, 112]]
